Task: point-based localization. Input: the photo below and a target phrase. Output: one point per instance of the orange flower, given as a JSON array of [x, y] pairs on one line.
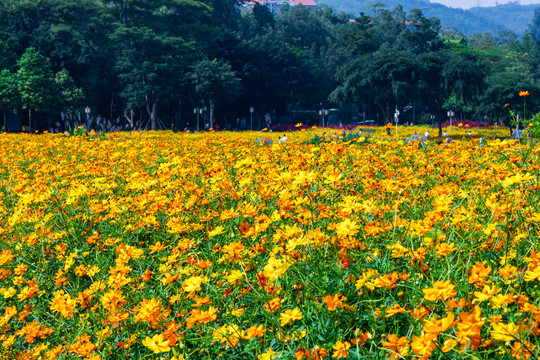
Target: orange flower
[[478, 273], [398, 346], [334, 302], [395, 309], [151, 311], [83, 346], [34, 330], [424, 344], [435, 327], [470, 324], [234, 250], [360, 338], [444, 249], [506, 105], [440, 290], [273, 305], [315, 354], [64, 304], [522, 350], [201, 317], [524, 93], [253, 331], [147, 275]]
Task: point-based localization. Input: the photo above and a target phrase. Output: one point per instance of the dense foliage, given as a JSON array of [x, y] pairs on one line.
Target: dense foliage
[[150, 64]]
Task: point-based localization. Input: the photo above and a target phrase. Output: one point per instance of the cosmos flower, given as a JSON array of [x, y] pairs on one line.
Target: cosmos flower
[[158, 344]]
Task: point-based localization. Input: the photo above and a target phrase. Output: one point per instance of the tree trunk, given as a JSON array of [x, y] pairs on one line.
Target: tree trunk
[[29, 120], [153, 117], [112, 103], [5, 119], [440, 116], [211, 103], [178, 121], [385, 112], [121, 7], [152, 98]]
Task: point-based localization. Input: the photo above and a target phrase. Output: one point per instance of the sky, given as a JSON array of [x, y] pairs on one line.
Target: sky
[[466, 4]]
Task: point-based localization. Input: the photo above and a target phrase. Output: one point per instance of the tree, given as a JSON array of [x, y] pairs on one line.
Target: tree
[[154, 50], [35, 82], [449, 75], [359, 37], [73, 34], [263, 16], [9, 95], [534, 26], [71, 96], [391, 75], [146, 64], [422, 34], [501, 94], [214, 81]]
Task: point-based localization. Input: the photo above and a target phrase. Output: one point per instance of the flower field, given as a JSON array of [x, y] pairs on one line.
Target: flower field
[[203, 246]]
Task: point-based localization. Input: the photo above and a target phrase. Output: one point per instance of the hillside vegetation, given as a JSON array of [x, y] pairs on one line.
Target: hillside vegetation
[[509, 16]]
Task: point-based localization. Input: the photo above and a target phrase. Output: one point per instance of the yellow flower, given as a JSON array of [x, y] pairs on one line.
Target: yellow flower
[[217, 231], [504, 332], [269, 355], [9, 292], [275, 268], [347, 228], [235, 277], [8, 341], [289, 316], [238, 312], [486, 294], [449, 345], [158, 344], [194, 283], [157, 247]]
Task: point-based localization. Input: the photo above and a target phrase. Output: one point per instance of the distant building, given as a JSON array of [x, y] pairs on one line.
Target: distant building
[[308, 3], [274, 5]]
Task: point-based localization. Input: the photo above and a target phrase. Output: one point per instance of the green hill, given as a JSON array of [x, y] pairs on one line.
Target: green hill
[[510, 16]]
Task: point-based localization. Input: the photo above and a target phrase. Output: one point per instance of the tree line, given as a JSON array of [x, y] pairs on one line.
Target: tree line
[[152, 63]]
